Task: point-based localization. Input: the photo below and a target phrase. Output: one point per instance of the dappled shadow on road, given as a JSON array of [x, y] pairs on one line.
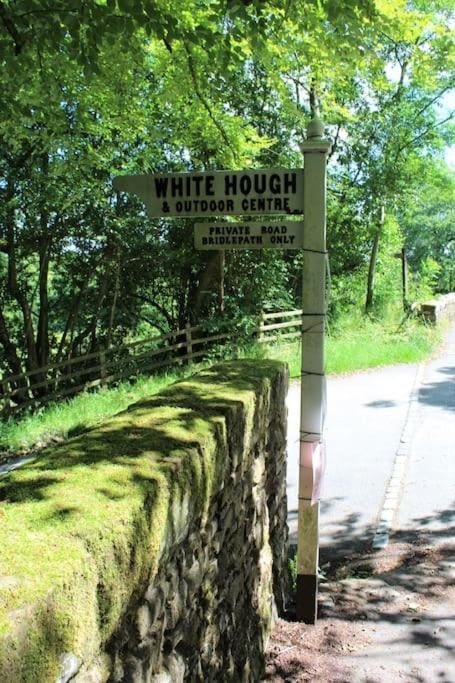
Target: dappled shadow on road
[[382, 404], [441, 393], [381, 613], [448, 370], [341, 537], [433, 529], [433, 534], [405, 584]]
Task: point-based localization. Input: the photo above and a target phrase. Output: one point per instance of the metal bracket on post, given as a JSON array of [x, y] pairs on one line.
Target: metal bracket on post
[[315, 150]]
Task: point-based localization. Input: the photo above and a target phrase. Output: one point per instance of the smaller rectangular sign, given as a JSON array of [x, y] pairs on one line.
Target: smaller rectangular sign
[[252, 235]]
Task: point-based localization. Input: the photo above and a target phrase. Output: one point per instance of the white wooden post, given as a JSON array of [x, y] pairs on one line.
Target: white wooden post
[[315, 150]]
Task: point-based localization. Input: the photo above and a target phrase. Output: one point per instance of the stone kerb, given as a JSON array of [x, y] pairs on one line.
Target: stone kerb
[[152, 548]]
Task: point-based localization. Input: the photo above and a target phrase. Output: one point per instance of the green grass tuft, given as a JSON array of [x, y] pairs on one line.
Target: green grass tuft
[[361, 344], [59, 421]]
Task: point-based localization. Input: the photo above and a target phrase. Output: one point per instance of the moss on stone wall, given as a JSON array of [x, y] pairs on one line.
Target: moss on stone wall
[[82, 527]]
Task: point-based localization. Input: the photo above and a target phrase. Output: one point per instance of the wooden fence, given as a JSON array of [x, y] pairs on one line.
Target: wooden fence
[[58, 380]]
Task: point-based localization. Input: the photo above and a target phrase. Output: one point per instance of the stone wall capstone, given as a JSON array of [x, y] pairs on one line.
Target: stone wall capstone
[[210, 511], [439, 309]]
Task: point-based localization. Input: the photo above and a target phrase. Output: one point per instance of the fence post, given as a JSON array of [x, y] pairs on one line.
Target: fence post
[[189, 343], [103, 373], [261, 323]]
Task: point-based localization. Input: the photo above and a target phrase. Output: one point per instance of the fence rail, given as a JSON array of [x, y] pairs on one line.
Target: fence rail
[[67, 377]]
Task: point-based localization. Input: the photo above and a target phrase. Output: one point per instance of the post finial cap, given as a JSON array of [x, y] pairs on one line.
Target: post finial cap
[[315, 129]]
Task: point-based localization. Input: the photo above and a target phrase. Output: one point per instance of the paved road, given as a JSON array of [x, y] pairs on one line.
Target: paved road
[[428, 501], [372, 416]]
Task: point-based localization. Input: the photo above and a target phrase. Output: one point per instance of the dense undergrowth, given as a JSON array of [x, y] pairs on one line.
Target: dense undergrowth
[[355, 343]]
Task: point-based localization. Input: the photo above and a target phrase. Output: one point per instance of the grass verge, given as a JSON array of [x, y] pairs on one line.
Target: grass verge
[[361, 344], [58, 421]]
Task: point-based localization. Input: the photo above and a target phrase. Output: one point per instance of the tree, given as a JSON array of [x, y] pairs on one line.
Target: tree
[[67, 126], [427, 220], [108, 87], [393, 119]]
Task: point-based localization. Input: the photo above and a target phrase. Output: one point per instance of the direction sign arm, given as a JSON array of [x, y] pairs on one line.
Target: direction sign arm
[[138, 185]]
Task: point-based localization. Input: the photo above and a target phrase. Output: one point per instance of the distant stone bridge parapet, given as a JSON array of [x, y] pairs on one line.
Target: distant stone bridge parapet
[[438, 309]]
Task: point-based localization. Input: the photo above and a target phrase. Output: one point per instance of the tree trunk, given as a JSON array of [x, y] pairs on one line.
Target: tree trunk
[[42, 337], [13, 362], [12, 359], [15, 290], [114, 300], [373, 260], [314, 105], [71, 321], [44, 246], [404, 278]]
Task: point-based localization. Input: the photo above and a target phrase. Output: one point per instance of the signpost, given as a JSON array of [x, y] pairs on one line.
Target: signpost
[[312, 385], [271, 191]]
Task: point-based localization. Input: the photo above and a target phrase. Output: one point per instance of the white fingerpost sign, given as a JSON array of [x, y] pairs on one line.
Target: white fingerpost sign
[[315, 150], [250, 235], [219, 193], [271, 191]]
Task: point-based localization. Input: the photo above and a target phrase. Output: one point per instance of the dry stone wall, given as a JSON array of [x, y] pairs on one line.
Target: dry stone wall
[[201, 604], [207, 613]]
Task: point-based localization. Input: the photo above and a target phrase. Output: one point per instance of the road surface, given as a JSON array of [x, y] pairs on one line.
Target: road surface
[[380, 423]]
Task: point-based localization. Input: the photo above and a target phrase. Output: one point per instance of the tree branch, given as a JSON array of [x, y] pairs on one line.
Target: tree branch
[[335, 142], [170, 320], [168, 46], [424, 133], [205, 103], [432, 101], [11, 28]]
